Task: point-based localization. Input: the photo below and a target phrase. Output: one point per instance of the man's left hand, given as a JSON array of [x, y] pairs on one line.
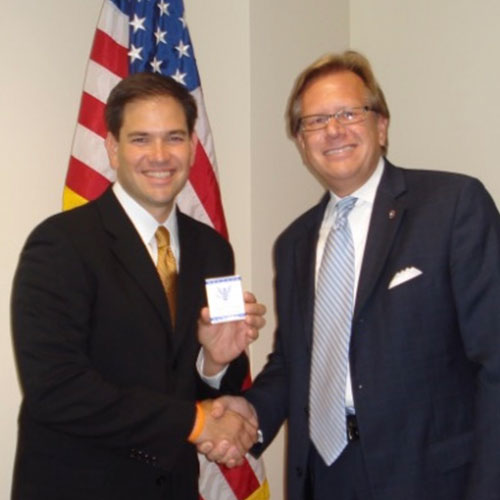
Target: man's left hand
[[223, 342]]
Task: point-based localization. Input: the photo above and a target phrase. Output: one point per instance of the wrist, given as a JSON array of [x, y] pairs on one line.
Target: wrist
[[210, 367], [199, 423]]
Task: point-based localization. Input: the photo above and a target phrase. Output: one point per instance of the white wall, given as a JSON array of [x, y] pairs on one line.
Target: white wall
[[44, 47], [437, 63]]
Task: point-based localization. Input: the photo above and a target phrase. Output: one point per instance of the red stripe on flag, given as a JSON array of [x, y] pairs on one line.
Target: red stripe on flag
[[242, 479], [92, 114], [108, 53], [84, 180], [247, 383], [204, 182]]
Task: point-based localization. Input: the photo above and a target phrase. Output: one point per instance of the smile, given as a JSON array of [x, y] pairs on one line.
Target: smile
[[338, 151], [157, 174]]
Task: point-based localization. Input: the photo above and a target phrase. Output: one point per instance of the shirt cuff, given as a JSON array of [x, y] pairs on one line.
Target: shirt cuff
[[214, 381]]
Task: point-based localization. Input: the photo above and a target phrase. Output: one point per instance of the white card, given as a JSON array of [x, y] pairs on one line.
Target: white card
[[225, 299]]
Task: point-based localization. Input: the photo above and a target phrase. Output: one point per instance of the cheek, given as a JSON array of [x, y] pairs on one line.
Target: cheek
[[310, 147], [130, 158]]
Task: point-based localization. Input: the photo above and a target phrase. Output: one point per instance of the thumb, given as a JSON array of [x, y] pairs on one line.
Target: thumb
[[219, 407], [205, 315]]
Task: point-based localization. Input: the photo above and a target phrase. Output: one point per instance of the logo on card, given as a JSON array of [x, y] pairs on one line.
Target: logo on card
[[223, 292]]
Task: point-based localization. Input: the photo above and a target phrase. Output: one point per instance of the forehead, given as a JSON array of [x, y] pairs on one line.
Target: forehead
[[157, 111], [334, 89]]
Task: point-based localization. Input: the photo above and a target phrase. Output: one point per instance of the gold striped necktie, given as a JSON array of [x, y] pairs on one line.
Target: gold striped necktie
[[167, 268]]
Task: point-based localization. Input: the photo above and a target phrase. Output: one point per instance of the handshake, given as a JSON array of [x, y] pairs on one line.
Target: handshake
[[229, 430]]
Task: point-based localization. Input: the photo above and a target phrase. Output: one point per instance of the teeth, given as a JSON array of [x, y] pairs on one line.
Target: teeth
[[159, 175], [336, 151]]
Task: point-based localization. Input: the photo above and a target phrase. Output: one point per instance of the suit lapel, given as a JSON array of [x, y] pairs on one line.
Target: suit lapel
[[388, 212], [305, 263], [129, 250], [188, 287]]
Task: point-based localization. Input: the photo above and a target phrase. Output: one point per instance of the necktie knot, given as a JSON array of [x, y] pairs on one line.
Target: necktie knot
[[162, 237], [343, 206]]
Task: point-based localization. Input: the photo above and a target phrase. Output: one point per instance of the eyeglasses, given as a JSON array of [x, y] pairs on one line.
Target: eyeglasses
[[344, 116]]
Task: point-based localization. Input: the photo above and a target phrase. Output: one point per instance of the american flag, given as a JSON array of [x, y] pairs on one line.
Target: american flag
[[134, 36], [151, 35]]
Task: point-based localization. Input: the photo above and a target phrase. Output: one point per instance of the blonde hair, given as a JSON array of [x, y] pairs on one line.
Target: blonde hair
[[349, 60]]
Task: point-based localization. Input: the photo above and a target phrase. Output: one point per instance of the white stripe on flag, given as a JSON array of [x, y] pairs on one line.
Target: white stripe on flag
[[88, 148], [202, 128], [189, 203], [212, 483], [99, 81], [258, 467], [114, 23]]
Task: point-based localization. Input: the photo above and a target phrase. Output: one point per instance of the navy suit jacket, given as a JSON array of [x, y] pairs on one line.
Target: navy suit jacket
[[109, 386], [424, 355]]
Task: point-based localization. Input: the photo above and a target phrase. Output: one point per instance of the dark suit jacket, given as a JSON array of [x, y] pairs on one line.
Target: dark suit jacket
[[424, 355], [109, 388]]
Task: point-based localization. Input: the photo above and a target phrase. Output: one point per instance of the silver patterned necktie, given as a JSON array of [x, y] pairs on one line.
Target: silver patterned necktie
[[331, 334]]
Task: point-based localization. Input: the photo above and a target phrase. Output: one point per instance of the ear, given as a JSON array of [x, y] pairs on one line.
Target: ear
[[382, 126], [111, 145], [299, 141], [193, 145]]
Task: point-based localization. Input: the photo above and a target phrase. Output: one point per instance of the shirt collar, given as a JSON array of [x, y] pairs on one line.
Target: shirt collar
[[143, 221], [368, 190]]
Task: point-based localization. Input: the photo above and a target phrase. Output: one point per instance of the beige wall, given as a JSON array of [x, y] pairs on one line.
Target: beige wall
[[43, 49], [436, 62]]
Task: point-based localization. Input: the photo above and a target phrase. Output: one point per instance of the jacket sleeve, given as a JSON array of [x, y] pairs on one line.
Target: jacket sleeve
[[269, 392], [475, 274]]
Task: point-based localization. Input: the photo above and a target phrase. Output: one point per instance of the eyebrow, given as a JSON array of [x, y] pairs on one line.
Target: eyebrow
[[140, 133]]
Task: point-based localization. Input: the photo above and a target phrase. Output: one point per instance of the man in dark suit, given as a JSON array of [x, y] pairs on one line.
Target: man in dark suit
[[108, 365], [420, 376]]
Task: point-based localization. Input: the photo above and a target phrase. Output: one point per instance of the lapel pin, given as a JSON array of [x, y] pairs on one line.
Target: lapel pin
[[392, 214]]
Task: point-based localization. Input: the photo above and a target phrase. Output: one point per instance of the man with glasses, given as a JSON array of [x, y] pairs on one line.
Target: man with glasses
[[387, 355]]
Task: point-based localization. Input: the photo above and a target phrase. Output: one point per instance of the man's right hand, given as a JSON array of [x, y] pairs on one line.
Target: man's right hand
[[228, 433]]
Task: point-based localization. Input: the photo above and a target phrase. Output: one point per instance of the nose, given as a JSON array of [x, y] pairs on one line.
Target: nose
[[333, 127], [159, 152]]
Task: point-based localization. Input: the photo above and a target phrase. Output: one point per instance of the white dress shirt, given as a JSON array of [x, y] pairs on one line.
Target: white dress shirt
[[146, 225], [359, 221]]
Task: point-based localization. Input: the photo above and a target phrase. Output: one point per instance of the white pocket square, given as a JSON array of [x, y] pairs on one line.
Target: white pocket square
[[403, 276]]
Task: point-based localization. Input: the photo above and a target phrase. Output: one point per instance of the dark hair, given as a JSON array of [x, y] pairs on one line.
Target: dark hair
[[349, 60], [144, 86]]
